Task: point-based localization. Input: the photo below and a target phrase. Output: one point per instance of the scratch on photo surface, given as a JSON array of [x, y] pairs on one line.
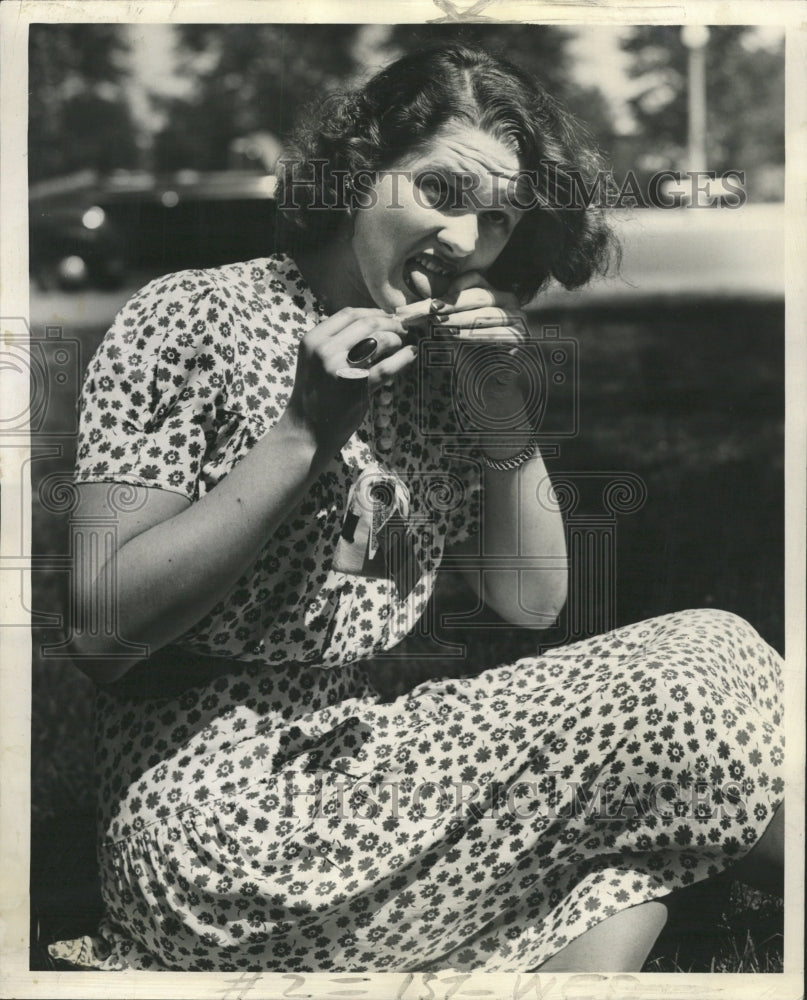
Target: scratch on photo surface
[[455, 13]]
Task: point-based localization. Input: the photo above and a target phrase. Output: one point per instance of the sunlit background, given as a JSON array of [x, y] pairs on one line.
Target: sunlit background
[[165, 97], [124, 115]]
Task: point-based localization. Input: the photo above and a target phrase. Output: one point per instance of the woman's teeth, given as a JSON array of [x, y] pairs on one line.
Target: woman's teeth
[[426, 276], [432, 265]]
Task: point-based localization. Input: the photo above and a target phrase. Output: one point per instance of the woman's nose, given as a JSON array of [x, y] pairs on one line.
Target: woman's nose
[[460, 233]]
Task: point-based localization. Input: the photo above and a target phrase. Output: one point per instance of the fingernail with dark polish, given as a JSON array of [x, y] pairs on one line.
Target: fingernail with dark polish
[[437, 305]]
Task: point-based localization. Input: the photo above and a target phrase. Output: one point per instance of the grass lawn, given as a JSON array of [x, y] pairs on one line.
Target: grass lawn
[[690, 400]]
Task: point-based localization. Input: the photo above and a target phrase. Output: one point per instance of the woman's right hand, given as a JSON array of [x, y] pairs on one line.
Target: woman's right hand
[[175, 560], [327, 406]]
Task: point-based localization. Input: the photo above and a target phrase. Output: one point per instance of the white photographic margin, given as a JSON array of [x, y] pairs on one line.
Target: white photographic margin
[[15, 645]]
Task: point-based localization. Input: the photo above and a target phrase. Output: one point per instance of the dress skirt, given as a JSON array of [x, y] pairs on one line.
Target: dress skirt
[[285, 819]]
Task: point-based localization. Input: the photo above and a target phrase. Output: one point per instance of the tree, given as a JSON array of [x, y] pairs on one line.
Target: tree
[[78, 113], [251, 78], [745, 102], [247, 78]]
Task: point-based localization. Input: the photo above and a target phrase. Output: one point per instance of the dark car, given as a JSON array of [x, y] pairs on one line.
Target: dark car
[[86, 231], [72, 242]]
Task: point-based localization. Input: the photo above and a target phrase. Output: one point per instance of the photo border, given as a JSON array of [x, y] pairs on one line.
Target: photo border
[[16, 980]]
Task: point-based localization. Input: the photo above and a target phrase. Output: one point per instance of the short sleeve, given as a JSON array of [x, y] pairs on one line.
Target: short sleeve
[[155, 393]]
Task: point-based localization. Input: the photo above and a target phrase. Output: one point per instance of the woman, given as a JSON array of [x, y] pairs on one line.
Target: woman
[[291, 477]]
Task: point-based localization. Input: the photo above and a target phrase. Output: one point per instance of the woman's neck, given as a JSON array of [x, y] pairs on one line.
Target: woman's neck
[[332, 276]]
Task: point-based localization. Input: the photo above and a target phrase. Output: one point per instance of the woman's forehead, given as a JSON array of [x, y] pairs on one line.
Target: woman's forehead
[[466, 149]]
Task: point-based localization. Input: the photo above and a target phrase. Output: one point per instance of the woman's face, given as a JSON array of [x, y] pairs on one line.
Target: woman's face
[[432, 216]]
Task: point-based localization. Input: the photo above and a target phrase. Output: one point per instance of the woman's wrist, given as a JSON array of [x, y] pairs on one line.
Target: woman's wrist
[[301, 440], [296, 430], [505, 442], [510, 454], [505, 399]]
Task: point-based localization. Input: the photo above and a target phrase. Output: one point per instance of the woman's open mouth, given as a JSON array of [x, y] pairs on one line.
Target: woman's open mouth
[[426, 276]]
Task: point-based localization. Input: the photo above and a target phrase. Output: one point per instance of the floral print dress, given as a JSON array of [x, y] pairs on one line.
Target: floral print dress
[[275, 814]]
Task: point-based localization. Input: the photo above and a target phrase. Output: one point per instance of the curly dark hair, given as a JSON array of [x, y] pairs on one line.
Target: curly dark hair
[[400, 109]]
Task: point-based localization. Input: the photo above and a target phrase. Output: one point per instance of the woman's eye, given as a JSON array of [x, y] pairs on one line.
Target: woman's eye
[[497, 218], [435, 190]]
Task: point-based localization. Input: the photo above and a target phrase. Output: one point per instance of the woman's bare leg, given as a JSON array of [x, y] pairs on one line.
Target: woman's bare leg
[[764, 865], [620, 943]]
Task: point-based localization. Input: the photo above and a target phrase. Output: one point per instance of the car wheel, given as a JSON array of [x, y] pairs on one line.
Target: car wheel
[[111, 274]]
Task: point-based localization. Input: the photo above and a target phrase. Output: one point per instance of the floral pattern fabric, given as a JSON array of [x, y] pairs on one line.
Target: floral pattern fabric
[[281, 817], [197, 366]]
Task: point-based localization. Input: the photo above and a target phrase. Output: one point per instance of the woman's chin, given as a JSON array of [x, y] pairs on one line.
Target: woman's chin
[[409, 293], [391, 298]]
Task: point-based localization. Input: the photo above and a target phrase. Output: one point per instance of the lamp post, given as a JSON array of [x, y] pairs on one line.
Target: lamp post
[[695, 37]]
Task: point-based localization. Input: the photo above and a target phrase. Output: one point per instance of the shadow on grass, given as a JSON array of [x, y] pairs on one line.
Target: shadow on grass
[[688, 399], [720, 926]]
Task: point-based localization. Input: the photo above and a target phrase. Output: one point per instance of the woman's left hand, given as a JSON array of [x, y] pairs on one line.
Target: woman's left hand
[[473, 311]]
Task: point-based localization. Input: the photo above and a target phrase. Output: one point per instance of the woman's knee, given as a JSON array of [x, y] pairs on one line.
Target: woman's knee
[[713, 620], [704, 629]]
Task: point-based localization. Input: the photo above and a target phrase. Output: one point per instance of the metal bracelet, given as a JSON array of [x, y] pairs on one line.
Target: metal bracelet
[[507, 464]]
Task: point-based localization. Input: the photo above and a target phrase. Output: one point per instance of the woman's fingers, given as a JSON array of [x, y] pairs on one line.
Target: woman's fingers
[[367, 326], [391, 366], [459, 299], [465, 280], [371, 335], [335, 352], [479, 298], [416, 312], [472, 290], [474, 313], [469, 298], [370, 320], [485, 318], [506, 334]]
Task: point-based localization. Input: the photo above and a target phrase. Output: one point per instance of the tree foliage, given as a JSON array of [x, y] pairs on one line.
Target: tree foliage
[[745, 96], [248, 78], [251, 78], [78, 113]]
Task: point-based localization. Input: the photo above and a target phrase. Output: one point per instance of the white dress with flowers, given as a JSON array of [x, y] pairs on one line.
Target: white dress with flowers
[[274, 814]]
